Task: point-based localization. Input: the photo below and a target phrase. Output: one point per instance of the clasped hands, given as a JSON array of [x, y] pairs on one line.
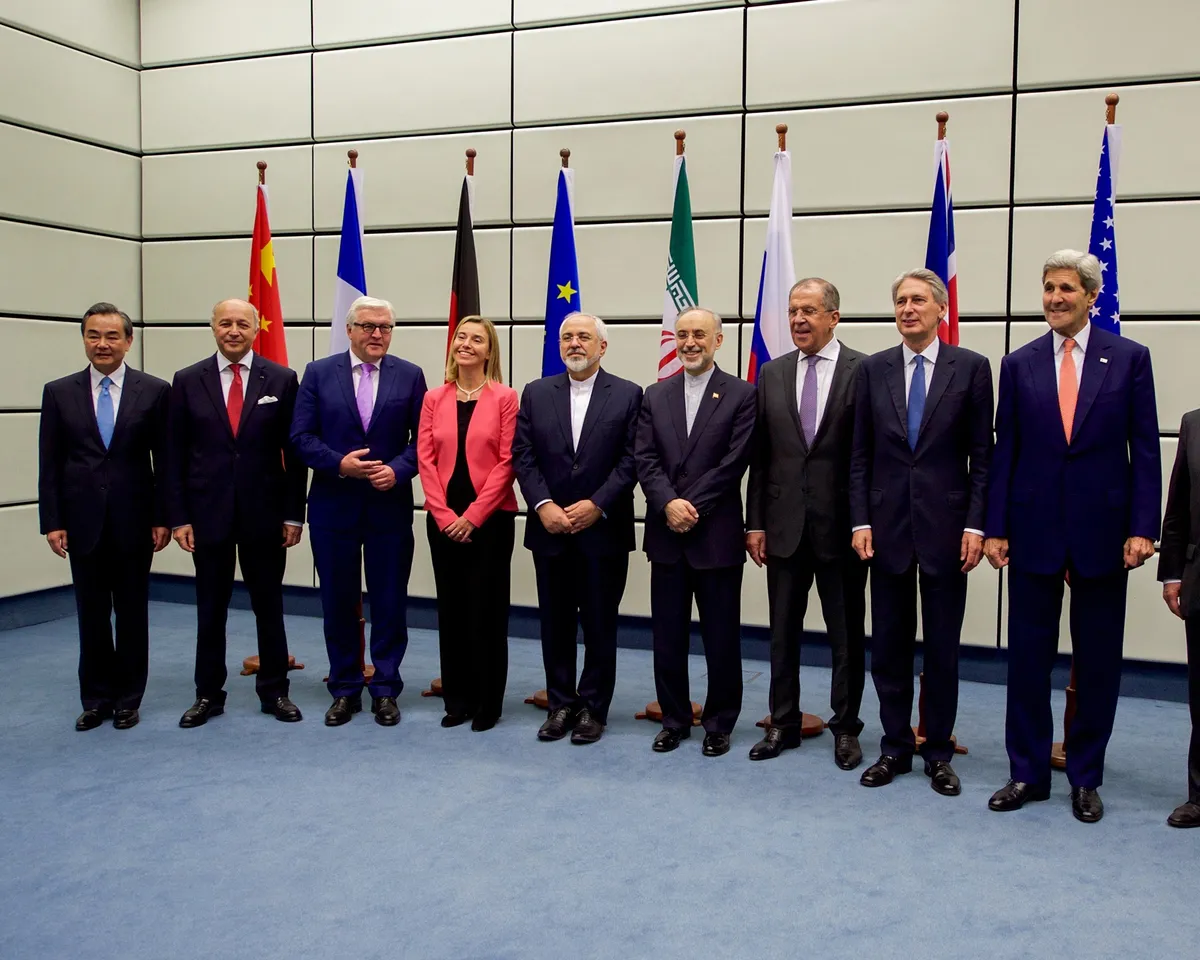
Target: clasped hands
[[379, 474], [573, 519]]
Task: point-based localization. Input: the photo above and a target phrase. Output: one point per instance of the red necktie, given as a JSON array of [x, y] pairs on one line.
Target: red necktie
[[234, 403]]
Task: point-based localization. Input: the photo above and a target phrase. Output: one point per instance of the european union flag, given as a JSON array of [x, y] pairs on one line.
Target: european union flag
[[562, 288]]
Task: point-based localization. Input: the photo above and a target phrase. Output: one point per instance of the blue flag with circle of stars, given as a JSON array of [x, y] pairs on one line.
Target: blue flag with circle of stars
[[562, 289], [1106, 311]]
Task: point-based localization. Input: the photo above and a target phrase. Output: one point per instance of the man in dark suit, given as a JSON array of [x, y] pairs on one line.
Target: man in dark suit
[[1179, 571], [1074, 490], [236, 492], [352, 406], [798, 517], [693, 444], [918, 474], [573, 455], [102, 453]]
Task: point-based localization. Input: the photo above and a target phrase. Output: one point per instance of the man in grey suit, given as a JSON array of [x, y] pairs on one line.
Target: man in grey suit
[[1179, 571], [798, 517]]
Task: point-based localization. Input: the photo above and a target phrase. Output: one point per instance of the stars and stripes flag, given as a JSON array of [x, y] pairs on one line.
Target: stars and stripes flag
[[464, 281], [939, 252], [1106, 311], [269, 342], [680, 291], [772, 332], [351, 282], [562, 285]]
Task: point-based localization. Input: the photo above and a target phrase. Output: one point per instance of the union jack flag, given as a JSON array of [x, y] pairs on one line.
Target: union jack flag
[[939, 252]]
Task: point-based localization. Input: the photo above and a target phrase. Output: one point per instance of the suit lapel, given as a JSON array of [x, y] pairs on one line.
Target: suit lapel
[[130, 391], [255, 381], [708, 403], [943, 373], [895, 382], [789, 364], [678, 410], [87, 405], [562, 406], [842, 372], [1095, 368], [210, 377], [387, 382], [600, 390], [1045, 385], [346, 380]]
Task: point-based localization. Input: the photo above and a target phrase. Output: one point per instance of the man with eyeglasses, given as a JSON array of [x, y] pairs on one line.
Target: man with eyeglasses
[[102, 501], [573, 455], [355, 426]]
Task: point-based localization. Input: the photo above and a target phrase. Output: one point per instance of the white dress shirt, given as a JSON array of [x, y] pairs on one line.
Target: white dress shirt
[[581, 396], [693, 393], [356, 366], [114, 389], [824, 370], [1078, 354], [225, 370]]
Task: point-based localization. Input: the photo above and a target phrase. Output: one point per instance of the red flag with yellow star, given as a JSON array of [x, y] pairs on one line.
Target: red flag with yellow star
[[264, 287]]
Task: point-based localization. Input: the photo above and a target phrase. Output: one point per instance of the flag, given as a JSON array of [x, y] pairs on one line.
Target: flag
[[562, 286], [680, 292], [772, 332], [939, 253], [269, 342], [464, 281], [1106, 311], [351, 280]]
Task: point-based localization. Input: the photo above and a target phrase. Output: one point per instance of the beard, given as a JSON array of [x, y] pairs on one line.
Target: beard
[[577, 364]]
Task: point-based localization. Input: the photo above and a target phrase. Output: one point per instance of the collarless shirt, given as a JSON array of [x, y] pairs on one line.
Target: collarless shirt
[[930, 353], [824, 367], [116, 387], [693, 393], [581, 396], [225, 370], [356, 366], [1078, 354]]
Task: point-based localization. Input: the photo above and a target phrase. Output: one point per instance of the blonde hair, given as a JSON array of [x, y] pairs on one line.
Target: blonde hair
[[493, 371]]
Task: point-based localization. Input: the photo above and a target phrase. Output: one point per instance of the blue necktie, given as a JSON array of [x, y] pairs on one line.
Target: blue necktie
[[104, 413], [916, 402]]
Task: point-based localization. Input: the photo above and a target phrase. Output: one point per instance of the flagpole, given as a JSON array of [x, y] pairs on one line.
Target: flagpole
[[942, 119], [781, 129]]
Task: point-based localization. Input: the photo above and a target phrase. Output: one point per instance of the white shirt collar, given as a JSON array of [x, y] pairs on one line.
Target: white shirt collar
[[830, 351], [117, 376], [698, 382], [1081, 339], [930, 353], [585, 385], [224, 363]]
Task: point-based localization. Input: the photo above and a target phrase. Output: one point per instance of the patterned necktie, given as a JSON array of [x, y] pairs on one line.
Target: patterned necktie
[[916, 402], [808, 400], [365, 401], [236, 398], [105, 418], [1068, 388]]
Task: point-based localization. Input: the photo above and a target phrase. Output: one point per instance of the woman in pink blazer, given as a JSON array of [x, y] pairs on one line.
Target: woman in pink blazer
[[464, 453]]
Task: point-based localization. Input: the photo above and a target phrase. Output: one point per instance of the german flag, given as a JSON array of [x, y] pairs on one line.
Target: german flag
[[264, 287], [464, 284]]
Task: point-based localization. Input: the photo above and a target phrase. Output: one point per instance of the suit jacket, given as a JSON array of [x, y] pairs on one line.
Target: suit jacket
[[795, 488], [1058, 503], [225, 486], [918, 502], [489, 451], [1177, 555], [81, 484], [326, 426], [704, 467], [602, 469]]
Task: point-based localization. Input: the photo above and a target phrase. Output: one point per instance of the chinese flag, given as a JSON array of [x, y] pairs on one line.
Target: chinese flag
[[264, 287]]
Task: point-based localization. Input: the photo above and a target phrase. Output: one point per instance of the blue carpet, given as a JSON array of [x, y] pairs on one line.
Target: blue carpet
[[252, 838]]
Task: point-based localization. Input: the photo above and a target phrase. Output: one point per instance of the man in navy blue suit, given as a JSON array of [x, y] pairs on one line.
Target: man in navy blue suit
[[918, 475], [355, 426], [573, 455], [1074, 491]]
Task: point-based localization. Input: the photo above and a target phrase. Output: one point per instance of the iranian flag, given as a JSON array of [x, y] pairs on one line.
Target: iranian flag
[[680, 292]]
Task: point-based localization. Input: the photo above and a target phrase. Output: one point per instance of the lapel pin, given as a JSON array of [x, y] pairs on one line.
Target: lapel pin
[[1104, 359], [716, 396]]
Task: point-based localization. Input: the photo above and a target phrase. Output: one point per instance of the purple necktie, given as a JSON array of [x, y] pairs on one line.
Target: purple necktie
[[365, 401], [808, 400]]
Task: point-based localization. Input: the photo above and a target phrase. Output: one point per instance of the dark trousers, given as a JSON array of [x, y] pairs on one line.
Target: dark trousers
[[113, 577], [340, 556], [718, 596], [576, 588], [1097, 635], [893, 648], [841, 585], [1193, 655], [263, 564], [472, 582]]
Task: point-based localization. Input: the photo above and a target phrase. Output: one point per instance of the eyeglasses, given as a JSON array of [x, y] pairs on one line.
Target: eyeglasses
[[583, 338], [370, 328]]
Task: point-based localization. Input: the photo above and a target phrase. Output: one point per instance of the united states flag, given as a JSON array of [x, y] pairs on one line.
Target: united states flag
[[1106, 311]]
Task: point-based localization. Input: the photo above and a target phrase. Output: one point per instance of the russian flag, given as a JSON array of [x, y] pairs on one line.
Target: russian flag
[[939, 253], [351, 282], [772, 332]]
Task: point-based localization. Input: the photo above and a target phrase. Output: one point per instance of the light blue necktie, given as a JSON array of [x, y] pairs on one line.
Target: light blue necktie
[[916, 402], [104, 413]]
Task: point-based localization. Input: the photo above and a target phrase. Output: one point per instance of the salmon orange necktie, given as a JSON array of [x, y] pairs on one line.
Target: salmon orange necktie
[[1068, 388]]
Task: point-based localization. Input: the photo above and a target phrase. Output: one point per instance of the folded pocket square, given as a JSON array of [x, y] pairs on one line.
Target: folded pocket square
[[262, 400]]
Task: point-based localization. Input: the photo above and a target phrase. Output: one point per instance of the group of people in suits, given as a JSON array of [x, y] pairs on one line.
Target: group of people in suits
[[885, 463]]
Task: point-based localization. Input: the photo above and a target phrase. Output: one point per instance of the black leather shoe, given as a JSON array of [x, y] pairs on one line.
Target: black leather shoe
[[342, 710], [667, 739], [1185, 815], [283, 710], [1086, 804], [124, 719], [200, 712], [884, 770], [1015, 794], [774, 742], [557, 724], [455, 719], [942, 778], [847, 754], [587, 728], [715, 744], [484, 722], [387, 713], [91, 719]]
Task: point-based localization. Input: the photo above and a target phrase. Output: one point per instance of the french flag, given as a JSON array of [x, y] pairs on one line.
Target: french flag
[[351, 281], [939, 254], [772, 332]]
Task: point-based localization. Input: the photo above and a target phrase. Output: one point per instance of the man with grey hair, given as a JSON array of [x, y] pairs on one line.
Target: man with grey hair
[[918, 474], [355, 427], [1073, 492], [573, 456]]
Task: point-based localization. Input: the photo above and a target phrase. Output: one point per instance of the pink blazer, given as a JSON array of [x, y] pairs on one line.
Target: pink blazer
[[489, 451]]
